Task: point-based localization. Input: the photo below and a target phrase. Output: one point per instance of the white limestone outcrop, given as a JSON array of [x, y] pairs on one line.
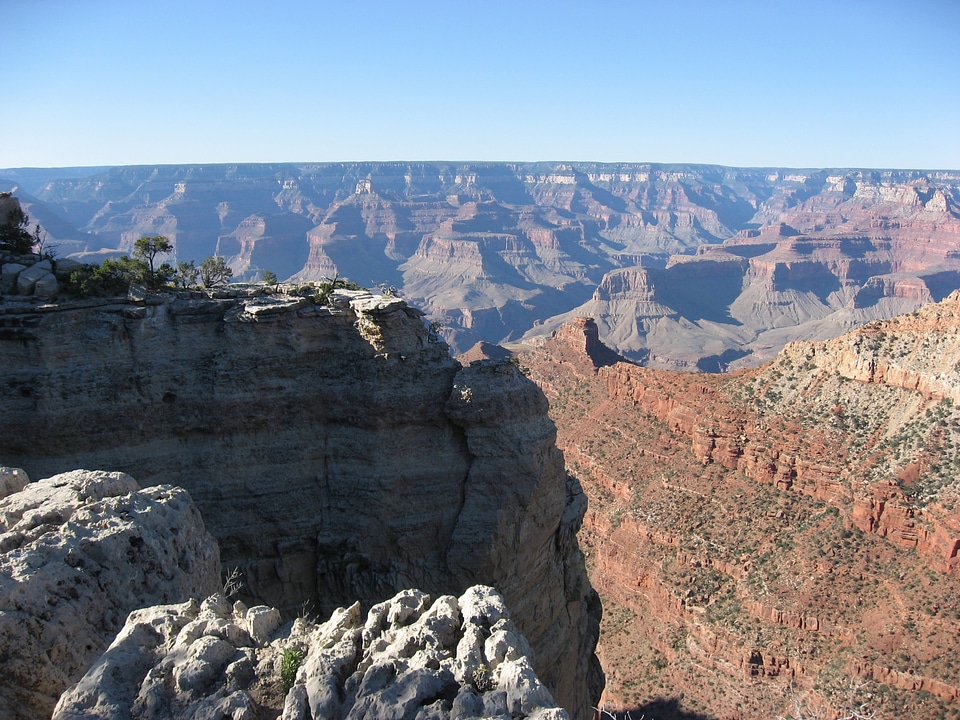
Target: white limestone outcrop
[[79, 551], [413, 656]]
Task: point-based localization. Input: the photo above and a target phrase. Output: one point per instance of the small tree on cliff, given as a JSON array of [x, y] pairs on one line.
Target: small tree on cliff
[[149, 246], [186, 274], [214, 270], [146, 249]]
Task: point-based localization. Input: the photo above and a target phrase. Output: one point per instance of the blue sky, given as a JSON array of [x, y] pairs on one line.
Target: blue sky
[[795, 83]]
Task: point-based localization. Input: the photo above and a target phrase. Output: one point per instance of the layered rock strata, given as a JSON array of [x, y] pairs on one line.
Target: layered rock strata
[[79, 551], [336, 452], [412, 656], [694, 267], [793, 530]]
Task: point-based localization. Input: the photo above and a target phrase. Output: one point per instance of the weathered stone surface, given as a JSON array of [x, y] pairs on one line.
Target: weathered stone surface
[[80, 551], [28, 279], [412, 657], [46, 287], [12, 480], [336, 453]]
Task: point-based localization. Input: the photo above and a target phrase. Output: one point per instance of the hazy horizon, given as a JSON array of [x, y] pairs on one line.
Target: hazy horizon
[[469, 162]]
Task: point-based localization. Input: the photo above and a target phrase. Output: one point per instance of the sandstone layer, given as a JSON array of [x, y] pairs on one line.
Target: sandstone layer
[[780, 534], [337, 453], [79, 551], [412, 656]]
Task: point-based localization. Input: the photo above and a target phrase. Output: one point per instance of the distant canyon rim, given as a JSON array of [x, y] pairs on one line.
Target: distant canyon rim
[[690, 267]]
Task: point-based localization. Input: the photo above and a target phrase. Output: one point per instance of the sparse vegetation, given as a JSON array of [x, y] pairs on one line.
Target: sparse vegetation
[[321, 293], [290, 661], [712, 562], [481, 679], [111, 278], [388, 290], [214, 271], [232, 583], [186, 274], [114, 276]]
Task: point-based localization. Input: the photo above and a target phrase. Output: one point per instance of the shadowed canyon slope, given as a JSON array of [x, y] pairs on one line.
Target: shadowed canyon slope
[[682, 266], [773, 535], [336, 453]]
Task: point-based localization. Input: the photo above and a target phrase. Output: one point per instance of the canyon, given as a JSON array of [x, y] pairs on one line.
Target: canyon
[[336, 452], [771, 538], [691, 267]]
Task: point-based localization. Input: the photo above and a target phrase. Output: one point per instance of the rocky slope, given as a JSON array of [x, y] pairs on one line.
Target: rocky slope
[[774, 535], [79, 551], [412, 656], [337, 453], [683, 266]]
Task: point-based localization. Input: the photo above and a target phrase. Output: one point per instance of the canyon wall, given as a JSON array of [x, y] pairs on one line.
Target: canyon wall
[[787, 533], [337, 453]]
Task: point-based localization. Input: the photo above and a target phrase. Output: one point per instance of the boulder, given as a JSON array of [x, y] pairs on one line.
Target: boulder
[[27, 279], [79, 551], [63, 267], [8, 277], [12, 480], [412, 656], [46, 287]]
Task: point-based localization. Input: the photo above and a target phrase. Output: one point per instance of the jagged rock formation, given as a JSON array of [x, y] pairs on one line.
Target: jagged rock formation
[[791, 526], [79, 551], [412, 657], [683, 266], [337, 453]]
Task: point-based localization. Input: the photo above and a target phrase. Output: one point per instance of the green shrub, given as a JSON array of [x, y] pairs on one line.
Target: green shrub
[[111, 278], [185, 274], [214, 270], [481, 679], [290, 662], [323, 291]]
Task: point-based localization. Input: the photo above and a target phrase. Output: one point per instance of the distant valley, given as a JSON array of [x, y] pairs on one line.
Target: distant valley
[[689, 267]]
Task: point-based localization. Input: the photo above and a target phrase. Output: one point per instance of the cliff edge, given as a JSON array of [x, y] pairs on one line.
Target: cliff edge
[[337, 452]]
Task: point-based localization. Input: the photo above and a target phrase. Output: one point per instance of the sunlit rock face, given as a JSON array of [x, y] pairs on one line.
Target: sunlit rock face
[[810, 503], [447, 658], [78, 551]]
